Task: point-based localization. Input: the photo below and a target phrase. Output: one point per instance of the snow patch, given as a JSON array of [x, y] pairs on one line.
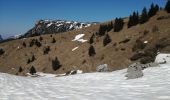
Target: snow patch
[[79, 38], [145, 42], [48, 25], [154, 85], [75, 48]]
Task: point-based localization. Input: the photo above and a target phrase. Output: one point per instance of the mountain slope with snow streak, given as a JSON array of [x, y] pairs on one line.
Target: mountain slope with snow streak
[[154, 85]]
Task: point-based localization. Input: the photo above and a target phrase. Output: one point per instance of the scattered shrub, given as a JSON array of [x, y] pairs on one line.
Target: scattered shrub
[[46, 50], [35, 42], [53, 40]]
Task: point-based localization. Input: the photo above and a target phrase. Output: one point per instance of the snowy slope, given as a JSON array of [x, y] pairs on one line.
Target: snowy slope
[[154, 85]]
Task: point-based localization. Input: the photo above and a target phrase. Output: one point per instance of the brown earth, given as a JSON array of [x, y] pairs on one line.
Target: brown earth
[[116, 54]]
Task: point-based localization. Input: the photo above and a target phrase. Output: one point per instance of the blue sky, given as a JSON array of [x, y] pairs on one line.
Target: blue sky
[[18, 16]]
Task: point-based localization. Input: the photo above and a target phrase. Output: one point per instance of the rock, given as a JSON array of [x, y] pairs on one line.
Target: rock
[[73, 72], [102, 68], [134, 71]]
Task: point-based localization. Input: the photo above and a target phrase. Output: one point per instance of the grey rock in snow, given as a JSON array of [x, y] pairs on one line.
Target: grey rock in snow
[[102, 68]]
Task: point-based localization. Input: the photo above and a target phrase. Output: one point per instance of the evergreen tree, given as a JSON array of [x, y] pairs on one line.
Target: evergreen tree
[[153, 10], [56, 64], [1, 51], [110, 26], [106, 40], [144, 17], [32, 70], [40, 39], [37, 43], [28, 61], [102, 30], [46, 50], [91, 39], [91, 51], [118, 25], [24, 44], [53, 40], [167, 6], [33, 58], [133, 19], [20, 69]]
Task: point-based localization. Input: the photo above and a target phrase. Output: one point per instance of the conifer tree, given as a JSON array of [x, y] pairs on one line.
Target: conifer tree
[[20, 69], [167, 6], [106, 40], [144, 17], [56, 64], [118, 25], [91, 51], [1, 51], [91, 39], [53, 40], [32, 70]]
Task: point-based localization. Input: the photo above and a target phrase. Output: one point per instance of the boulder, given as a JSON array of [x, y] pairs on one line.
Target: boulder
[[102, 68], [134, 71]]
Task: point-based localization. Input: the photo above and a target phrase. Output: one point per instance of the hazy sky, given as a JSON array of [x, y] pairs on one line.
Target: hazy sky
[[18, 16]]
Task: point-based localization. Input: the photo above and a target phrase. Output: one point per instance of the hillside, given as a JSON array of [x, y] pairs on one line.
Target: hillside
[[118, 54]]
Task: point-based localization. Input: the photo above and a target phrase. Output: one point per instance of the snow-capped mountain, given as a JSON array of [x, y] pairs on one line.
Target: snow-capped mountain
[[55, 26]]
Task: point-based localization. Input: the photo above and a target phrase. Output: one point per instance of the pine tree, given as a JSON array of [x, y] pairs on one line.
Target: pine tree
[[153, 10], [20, 69], [28, 61], [167, 6], [91, 39], [144, 17], [40, 39], [102, 30], [106, 40], [91, 51], [24, 44], [110, 26], [33, 58], [56, 64], [37, 43], [1, 51], [32, 70], [118, 25]]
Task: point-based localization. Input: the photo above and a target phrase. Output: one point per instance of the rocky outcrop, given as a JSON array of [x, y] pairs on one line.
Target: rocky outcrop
[[102, 68], [54, 26]]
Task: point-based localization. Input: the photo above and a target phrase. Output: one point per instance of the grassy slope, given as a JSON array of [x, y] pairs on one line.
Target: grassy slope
[[79, 59]]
